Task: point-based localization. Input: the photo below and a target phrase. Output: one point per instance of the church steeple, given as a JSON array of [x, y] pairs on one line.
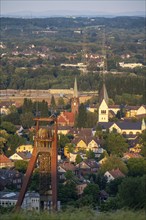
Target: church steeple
[[103, 94], [75, 95], [75, 99], [103, 105]]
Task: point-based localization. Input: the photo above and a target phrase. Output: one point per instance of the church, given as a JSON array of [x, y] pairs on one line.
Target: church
[[123, 126], [68, 118]]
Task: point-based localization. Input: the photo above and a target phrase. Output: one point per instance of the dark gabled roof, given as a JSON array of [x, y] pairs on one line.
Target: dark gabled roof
[[132, 107], [123, 125], [67, 166], [129, 125], [81, 132], [92, 163], [114, 106], [67, 127], [106, 125], [24, 155]]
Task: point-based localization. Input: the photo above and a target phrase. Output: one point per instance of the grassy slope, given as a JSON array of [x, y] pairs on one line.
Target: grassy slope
[[77, 214]]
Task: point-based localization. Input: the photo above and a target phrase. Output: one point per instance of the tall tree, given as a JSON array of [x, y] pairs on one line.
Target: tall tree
[[53, 103], [82, 117], [78, 158], [90, 154], [27, 119], [8, 126], [136, 166], [116, 144], [132, 192], [27, 105], [113, 162], [93, 190]]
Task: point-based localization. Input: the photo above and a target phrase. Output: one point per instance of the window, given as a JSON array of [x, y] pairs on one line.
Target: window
[[103, 111]]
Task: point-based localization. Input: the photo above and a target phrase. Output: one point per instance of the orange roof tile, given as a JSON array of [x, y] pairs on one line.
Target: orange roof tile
[[116, 173], [66, 117], [4, 159]]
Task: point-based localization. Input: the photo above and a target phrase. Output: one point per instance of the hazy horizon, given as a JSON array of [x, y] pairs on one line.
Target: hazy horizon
[[77, 7]]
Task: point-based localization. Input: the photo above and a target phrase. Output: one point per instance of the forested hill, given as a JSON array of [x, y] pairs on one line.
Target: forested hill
[[61, 22]]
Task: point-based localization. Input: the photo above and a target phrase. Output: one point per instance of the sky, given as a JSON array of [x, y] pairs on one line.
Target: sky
[[108, 6]]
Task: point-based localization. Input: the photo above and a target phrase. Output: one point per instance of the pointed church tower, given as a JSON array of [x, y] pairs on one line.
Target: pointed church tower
[[75, 99], [103, 94], [103, 105]]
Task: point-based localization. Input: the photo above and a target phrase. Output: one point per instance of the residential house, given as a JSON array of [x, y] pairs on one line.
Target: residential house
[[113, 174], [130, 155], [25, 148], [88, 166], [20, 156], [64, 167], [5, 161], [135, 111], [80, 132], [63, 129], [86, 143], [5, 106]]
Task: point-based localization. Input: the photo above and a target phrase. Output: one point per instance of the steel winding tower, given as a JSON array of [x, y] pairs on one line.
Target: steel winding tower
[[45, 151]]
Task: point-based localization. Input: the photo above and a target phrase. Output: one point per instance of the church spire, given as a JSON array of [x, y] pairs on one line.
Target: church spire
[[75, 94], [103, 94], [75, 99]]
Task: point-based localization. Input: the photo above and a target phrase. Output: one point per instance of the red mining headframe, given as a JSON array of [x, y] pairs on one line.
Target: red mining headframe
[[45, 150]]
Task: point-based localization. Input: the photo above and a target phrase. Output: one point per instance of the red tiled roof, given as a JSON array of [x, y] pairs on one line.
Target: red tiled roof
[[66, 118], [116, 173], [4, 159], [132, 155]]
